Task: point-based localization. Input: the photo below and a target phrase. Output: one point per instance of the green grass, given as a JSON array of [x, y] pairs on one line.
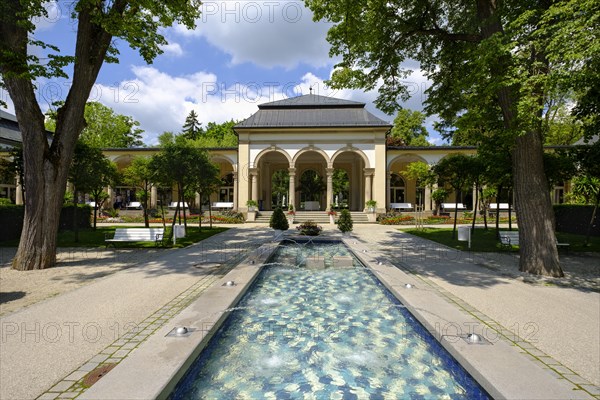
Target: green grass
[[95, 238], [487, 241]]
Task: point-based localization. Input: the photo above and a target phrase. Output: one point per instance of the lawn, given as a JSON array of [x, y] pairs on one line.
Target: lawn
[[95, 238], [486, 240]]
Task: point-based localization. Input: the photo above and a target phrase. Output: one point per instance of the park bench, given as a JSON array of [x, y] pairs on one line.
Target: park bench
[[511, 238], [136, 205], [136, 235], [173, 205], [495, 207], [401, 206], [223, 205], [453, 206]]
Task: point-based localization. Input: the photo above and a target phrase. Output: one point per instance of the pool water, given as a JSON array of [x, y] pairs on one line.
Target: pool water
[[323, 333]]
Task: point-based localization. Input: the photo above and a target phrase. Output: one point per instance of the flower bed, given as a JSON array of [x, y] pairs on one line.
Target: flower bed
[[309, 228]]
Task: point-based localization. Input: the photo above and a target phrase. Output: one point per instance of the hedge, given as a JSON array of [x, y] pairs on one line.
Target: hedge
[[575, 219], [11, 219]]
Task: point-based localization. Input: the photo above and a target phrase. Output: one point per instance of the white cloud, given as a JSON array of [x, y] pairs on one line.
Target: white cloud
[[266, 33], [172, 49], [160, 101]]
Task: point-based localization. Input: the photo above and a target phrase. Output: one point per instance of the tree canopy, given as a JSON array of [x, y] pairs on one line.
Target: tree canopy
[[409, 128], [490, 63], [24, 57], [104, 128]]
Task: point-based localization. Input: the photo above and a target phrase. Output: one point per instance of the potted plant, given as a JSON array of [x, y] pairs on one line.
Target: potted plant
[[309, 228], [291, 213], [252, 207], [345, 221], [278, 221], [371, 205], [331, 212], [438, 196]]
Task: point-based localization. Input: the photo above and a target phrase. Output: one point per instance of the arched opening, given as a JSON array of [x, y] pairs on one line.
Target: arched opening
[[397, 189], [226, 189], [349, 167], [311, 190], [273, 176], [341, 188], [280, 189], [411, 190], [310, 181]]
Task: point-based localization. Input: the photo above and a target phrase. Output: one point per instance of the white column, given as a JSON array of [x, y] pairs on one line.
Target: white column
[[235, 191], [368, 184], [292, 187], [254, 184], [388, 187], [19, 192], [153, 197], [329, 172]]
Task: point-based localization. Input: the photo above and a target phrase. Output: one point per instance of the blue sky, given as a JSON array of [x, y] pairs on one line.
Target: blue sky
[[241, 54]]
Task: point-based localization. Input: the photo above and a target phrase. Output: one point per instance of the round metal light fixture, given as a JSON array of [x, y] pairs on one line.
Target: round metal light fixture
[[473, 338], [182, 330]]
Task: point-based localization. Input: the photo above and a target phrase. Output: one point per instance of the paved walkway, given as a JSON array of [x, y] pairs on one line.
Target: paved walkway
[[46, 349]]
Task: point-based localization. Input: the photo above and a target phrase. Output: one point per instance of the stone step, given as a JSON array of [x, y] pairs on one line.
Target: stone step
[[320, 217]]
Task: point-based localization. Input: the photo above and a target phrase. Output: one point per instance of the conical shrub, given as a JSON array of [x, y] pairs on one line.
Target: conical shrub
[[345, 221], [278, 220]]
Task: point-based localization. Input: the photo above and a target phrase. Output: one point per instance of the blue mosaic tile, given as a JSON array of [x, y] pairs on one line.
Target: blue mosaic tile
[[323, 333]]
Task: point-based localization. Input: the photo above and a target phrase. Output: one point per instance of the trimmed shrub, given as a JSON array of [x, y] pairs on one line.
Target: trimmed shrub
[[278, 220], [11, 219], [571, 218], [345, 221], [309, 228]]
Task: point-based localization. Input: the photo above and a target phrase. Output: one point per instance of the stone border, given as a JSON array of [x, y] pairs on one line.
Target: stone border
[[155, 368], [509, 368]]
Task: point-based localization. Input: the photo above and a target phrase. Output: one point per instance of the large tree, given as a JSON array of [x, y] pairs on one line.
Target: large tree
[[90, 173], [474, 52], [192, 128], [408, 128], [23, 59], [140, 175], [103, 127]]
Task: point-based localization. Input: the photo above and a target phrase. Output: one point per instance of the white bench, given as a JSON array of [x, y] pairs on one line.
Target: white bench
[[136, 235], [401, 206], [500, 206], [511, 238], [508, 239], [173, 205], [453, 206], [223, 205], [135, 205]]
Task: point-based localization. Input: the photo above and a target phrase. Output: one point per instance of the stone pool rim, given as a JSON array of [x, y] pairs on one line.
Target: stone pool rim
[[155, 368]]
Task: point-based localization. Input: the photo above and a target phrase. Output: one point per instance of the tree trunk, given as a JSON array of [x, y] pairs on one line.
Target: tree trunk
[[456, 195], [537, 241], [46, 166], [498, 191], [475, 209], [75, 225]]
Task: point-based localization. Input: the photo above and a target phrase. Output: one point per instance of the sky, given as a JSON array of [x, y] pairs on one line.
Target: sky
[[241, 54]]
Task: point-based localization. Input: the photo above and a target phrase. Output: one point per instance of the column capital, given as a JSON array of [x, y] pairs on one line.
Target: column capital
[[369, 171], [292, 170], [329, 171], [253, 171]]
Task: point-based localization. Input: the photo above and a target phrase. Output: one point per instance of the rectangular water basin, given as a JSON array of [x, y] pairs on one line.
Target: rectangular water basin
[[332, 332]]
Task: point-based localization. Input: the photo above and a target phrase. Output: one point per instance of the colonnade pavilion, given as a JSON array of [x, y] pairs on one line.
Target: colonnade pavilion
[[288, 145]]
